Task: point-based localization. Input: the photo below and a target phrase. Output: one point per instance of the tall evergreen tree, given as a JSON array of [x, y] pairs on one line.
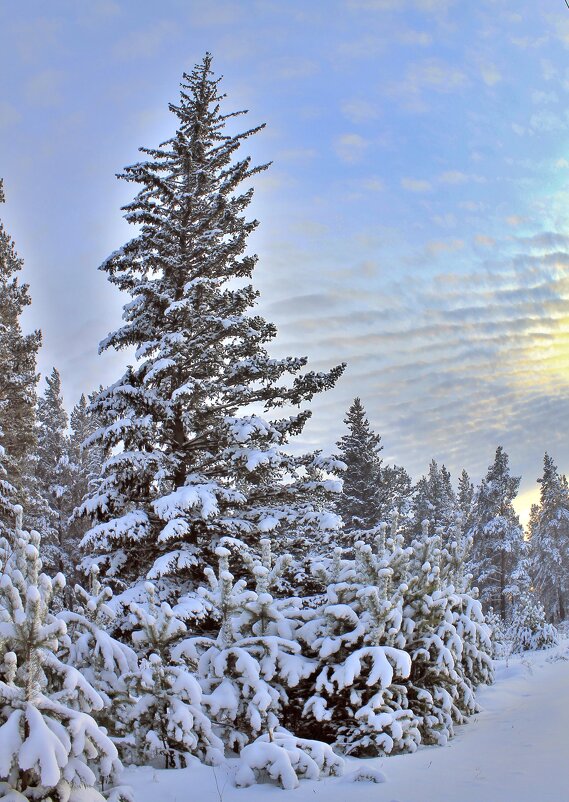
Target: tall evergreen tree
[[53, 478], [499, 548], [84, 465], [434, 500], [465, 497], [550, 542], [395, 492], [18, 376], [190, 462], [359, 449]]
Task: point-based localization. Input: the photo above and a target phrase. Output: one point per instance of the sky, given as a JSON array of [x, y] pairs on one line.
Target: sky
[[414, 222]]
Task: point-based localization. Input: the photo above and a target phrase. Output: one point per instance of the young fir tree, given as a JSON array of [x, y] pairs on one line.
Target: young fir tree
[[498, 543], [357, 697], [549, 533], [247, 670], [465, 499], [468, 619], [51, 748], [529, 629], [395, 492], [84, 466], [187, 464], [8, 498], [434, 500], [101, 659], [167, 720], [53, 478], [18, 378], [359, 449], [435, 686]]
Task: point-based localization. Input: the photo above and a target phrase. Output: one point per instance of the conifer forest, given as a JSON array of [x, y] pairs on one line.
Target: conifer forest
[[191, 589]]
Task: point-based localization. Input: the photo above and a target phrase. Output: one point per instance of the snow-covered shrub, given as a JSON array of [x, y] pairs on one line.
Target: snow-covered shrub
[[246, 670], [435, 648], [499, 637], [357, 699], [103, 660], [469, 621], [284, 758], [51, 748], [167, 718], [529, 630]]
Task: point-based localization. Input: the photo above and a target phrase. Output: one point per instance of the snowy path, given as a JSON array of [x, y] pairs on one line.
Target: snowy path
[[516, 750]]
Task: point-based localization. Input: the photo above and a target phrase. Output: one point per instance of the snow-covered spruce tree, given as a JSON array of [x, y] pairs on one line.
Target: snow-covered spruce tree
[[53, 479], [101, 659], [167, 720], [549, 543], [436, 689], [434, 500], [465, 498], [359, 449], [498, 542], [7, 498], [188, 464], [247, 669], [18, 378], [529, 629], [51, 748], [84, 465], [85, 458], [357, 698], [395, 493], [469, 620]]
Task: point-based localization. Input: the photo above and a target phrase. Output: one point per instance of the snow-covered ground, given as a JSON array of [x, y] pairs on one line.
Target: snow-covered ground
[[515, 750]]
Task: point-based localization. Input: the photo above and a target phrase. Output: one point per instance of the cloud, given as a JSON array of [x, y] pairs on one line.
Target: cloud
[[415, 38], [359, 110], [484, 240], [453, 177], [416, 185], [296, 155], [35, 36], [293, 68], [350, 148], [548, 70], [365, 47], [145, 43], [515, 220], [45, 88], [437, 247], [9, 115], [546, 121], [372, 184], [375, 5], [204, 13], [539, 97], [491, 75], [429, 75]]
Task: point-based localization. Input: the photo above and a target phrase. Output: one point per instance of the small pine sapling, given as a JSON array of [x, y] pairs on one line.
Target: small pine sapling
[[354, 700], [434, 645], [168, 719], [247, 668], [529, 630], [102, 659], [50, 746], [469, 619]]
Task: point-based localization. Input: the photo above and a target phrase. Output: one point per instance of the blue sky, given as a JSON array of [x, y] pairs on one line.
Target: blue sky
[[414, 222]]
